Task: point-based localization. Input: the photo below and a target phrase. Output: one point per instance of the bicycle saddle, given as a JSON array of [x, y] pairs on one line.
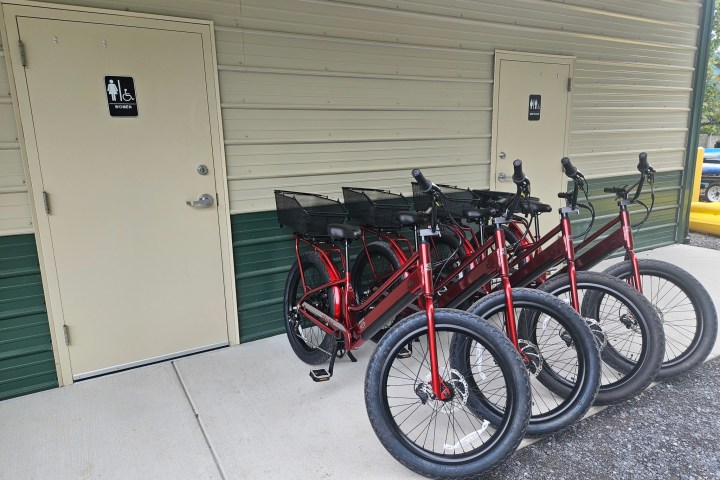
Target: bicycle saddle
[[532, 207], [412, 218], [478, 213], [340, 231]]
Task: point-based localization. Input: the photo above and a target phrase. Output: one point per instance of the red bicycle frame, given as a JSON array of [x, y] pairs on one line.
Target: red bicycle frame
[[622, 237], [357, 323]]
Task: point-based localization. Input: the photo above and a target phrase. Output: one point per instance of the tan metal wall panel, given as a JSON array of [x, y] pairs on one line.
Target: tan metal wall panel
[[371, 88], [12, 176], [8, 133], [317, 126], [275, 91], [595, 19], [259, 169], [15, 216], [14, 212]]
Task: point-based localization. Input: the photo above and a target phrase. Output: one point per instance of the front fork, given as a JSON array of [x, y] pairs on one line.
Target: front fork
[[504, 267], [629, 248], [570, 260], [441, 391]]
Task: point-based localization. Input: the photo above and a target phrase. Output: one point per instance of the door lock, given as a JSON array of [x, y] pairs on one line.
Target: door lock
[[205, 201], [502, 155], [501, 177]]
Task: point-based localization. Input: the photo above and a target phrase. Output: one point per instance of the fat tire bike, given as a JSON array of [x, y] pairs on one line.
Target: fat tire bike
[[554, 341], [416, 399]]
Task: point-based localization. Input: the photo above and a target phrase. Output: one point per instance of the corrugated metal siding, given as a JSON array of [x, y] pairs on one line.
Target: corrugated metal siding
[[15, 216], [263, 255], [26, 357], [658, 230]]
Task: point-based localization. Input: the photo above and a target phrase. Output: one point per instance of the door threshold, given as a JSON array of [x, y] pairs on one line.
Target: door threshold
[[147, 361]]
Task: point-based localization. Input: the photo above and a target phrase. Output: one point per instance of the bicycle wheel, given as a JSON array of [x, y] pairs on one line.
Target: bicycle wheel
[[632, 334], [444, 439], [309, 342], [561, 357], [685, 309], [372, 266]]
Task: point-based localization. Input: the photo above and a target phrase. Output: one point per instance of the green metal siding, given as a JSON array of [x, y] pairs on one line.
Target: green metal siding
[[660, 227], [263, 254], [26, 358]]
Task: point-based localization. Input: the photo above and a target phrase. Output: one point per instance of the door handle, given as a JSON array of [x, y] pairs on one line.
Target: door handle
[[205, 201]]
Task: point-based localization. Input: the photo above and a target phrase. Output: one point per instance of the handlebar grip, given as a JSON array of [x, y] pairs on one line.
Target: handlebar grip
[[643, 163], [568, 167], [424, 184], [609, 190], [518, 175]]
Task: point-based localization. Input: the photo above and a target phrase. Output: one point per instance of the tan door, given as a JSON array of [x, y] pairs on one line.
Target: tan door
[[531, 118], [139, 273]]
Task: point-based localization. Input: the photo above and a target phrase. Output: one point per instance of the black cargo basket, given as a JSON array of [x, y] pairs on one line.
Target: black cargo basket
[[308, 213], [377, 208], [457, 200]]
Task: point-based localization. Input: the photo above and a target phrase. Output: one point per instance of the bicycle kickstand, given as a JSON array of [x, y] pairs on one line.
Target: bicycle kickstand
[[322, 375]]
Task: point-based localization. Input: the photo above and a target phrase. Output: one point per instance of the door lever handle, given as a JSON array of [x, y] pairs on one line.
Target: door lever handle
[[205, 201]]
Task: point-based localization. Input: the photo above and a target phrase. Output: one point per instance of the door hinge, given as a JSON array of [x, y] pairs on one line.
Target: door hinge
[[46, 202], [570, 84], [23, 60], [66, 332]]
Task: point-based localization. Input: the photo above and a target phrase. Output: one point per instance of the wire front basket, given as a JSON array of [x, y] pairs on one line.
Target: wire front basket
[[308, 213], [457, 200], [373, 207]]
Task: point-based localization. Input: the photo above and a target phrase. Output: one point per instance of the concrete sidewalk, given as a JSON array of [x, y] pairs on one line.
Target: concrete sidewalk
[[238, 413]]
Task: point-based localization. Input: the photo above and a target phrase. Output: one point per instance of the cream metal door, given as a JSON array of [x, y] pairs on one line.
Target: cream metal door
[[530, 122], [134, 272]]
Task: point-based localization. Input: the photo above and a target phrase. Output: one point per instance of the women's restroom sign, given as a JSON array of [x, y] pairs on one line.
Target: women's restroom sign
[[120, 93]]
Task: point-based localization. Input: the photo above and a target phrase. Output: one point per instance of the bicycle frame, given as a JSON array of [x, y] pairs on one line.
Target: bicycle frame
[[622, 237], [415, 280], [478, 275]]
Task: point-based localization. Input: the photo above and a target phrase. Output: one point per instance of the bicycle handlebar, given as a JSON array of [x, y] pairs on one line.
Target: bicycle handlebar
[[518, 175], [424, 184], [568, 167]]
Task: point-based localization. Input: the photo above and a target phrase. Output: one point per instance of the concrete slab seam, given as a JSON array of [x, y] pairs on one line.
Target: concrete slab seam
[[200, 422]]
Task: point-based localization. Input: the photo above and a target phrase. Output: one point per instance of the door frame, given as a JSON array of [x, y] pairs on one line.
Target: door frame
[[9, 10], [526, 57]]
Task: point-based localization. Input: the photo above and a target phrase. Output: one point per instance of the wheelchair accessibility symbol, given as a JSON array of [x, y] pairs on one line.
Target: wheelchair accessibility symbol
[[121, 98]]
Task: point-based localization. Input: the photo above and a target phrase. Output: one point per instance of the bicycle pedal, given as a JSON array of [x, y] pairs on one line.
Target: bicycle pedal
[[320, 375]]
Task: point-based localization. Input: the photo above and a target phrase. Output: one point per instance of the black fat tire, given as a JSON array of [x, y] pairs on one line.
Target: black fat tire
[[315, 348], [665, 285], [622, 377], [565, 387], [472, 463]]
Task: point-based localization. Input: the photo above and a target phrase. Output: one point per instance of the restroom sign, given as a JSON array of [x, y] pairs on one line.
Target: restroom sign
[[534, 108], [121, 98]]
